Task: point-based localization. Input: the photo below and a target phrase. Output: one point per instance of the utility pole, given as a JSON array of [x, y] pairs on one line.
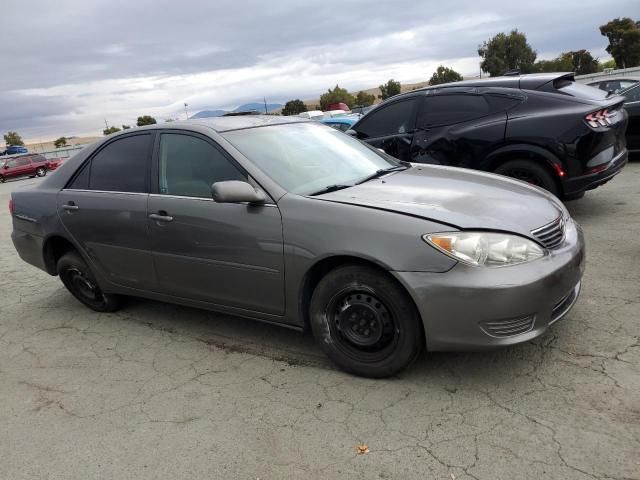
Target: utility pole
[[106, 124], [185, 110], [265, 104]]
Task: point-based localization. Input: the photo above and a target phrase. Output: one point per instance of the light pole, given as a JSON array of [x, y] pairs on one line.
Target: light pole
[[185, 110]]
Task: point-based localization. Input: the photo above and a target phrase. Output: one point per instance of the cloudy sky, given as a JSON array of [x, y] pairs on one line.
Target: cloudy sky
[[69, 64]]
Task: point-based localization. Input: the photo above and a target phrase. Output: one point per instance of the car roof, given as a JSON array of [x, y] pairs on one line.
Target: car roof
[[224, 124], [531, 81]]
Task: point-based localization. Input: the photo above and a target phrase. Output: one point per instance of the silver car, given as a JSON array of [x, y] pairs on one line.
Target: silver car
[[291, 222]]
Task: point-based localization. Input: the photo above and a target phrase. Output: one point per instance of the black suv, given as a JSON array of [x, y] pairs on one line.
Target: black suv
[[545, 129]]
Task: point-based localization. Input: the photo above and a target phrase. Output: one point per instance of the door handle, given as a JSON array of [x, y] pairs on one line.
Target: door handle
[[70, 206], [161, 216]]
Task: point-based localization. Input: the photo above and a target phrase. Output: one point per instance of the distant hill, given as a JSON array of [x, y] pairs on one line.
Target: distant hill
[[247, 107]]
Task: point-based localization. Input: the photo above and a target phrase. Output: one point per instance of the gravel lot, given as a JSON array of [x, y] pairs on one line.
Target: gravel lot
[[161, 391]]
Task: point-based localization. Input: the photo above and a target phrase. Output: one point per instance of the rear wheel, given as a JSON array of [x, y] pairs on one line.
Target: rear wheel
[[365, 322], [529, 172], [80, 281], [41, 171]]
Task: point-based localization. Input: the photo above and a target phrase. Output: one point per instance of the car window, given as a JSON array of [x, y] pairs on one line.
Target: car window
[[122, 165], [632, 95], [21, 162], [392, 119], [450, 109], [10, 163], [190, 165]]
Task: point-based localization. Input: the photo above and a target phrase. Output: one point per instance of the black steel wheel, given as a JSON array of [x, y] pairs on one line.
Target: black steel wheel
[[41, 171], [365, 322], [530, 172], [81, 283]]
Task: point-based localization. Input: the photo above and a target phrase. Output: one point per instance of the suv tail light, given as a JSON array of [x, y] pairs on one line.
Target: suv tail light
[[601, 118], [11, 207]]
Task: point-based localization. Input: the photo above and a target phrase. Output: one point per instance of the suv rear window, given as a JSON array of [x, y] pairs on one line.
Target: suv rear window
[[579, 90]]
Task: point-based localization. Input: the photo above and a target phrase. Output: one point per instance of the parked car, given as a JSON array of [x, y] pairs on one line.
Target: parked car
[[615, 84], [381, 256], [545, 129], [33, 165], [632, 106], [339, 106], [13, 149], [312, 114], [341, 122]]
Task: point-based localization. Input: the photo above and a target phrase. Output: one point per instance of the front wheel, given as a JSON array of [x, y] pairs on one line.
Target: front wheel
[[80, 281], [530, 172], [41, 171], [2, 179], [365, 322]]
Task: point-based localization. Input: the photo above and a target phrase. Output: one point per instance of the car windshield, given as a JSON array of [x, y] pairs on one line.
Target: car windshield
[[307, 157]]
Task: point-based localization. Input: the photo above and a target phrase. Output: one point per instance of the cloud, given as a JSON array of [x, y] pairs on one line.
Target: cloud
[[79, 62]]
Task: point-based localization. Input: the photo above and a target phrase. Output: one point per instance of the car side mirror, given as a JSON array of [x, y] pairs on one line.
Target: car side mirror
[[234, 191]]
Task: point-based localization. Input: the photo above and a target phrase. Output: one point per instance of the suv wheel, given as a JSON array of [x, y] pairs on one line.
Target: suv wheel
[[80, 281], [365, 322], [2, 179], [41, 171], [529, 172]]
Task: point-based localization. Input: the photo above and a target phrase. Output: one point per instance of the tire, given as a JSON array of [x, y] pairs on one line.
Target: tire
[[41, 172], [2, 180], [78, 278], [529, 172], [365, 322]]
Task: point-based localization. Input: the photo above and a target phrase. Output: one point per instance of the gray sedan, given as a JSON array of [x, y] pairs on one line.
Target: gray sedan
[[294, 223]]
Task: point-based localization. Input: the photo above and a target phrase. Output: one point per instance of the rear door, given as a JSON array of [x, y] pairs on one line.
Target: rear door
[[228, 254], [458, 129], [632, 105], [104, 208], [391, 127]]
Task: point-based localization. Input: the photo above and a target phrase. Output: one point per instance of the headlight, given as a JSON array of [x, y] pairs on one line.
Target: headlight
[[485, 249]]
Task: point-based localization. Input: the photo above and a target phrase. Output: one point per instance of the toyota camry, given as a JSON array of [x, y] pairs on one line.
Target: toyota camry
[[291, 222]]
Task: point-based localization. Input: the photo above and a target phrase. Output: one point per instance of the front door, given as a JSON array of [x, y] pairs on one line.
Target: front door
[[226, 254], [104, 208]]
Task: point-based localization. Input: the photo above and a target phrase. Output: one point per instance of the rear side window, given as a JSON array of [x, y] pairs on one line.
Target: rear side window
[[190, 165], [121, 166], [22, 161], [449, 109], [396, 118]]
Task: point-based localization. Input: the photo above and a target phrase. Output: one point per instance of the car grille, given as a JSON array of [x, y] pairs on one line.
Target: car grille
[[508, 328], [552, 234]]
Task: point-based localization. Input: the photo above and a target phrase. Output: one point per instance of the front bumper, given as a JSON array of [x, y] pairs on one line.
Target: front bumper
[[575, 185], [474, 308]]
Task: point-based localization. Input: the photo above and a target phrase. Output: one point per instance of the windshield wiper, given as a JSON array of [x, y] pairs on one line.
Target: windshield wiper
[[329, 188], [381, 172]]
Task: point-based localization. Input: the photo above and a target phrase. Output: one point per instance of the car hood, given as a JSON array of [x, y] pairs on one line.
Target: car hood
[[462, 198]]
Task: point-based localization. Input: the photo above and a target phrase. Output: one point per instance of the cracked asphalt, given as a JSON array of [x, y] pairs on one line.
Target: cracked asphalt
[[162, 391]]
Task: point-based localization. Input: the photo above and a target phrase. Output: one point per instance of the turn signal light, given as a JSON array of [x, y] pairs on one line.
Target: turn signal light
[[11, 207], [601, 118]]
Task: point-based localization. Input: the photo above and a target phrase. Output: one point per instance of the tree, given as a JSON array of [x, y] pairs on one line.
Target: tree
[[364, 99], [60, 142], [580, 61], [294, 107], [337, 95], [389, 89], [146, 120], [444, 75], [624, 41], [110, 130], [608, 64], [12, 138], [507, 52], [126, 127]]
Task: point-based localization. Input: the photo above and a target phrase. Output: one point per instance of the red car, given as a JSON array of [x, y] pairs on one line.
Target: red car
[[31, 165]]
